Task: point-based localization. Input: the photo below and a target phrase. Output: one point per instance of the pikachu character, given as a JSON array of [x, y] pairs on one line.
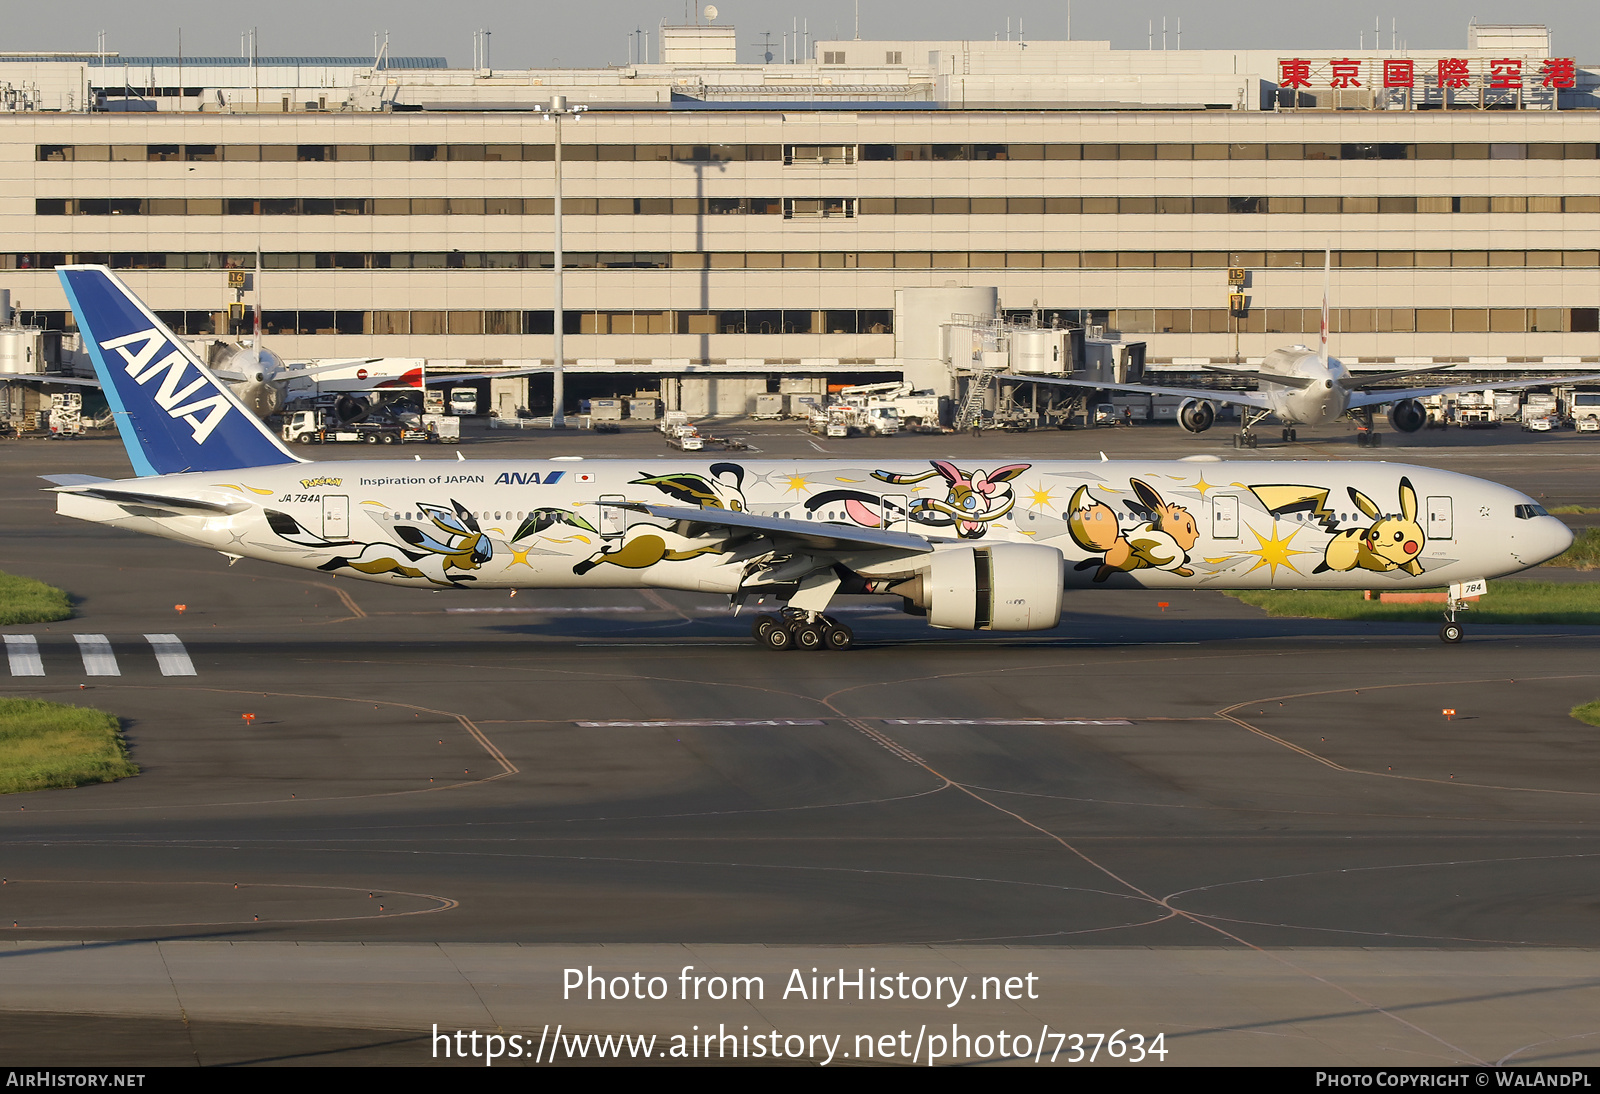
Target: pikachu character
[[1389, 543], [1161, 542]]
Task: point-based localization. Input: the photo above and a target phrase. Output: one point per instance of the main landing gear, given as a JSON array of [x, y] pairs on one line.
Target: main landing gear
[[793, 629], [1367, 436], [1246, 437]]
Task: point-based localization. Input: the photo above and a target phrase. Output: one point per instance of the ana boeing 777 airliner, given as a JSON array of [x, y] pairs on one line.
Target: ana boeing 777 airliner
[[973, 545]]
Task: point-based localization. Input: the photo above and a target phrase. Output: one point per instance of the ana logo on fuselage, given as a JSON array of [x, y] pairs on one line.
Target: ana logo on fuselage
[[528, 478], [142, 363]]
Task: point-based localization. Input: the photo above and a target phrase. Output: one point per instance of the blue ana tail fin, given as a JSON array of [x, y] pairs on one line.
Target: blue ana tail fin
[[174, 415]]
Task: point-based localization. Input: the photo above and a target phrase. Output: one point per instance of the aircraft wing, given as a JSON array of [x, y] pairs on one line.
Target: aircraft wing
[[1376, 398], [1237, 398], [46, 378], [824, 536]]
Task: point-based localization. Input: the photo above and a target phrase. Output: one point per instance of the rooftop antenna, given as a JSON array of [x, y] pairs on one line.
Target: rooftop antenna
[[858, 21], [766, 46], [1069, 20], [1180, 34], [1163, 33], [1150, 34]]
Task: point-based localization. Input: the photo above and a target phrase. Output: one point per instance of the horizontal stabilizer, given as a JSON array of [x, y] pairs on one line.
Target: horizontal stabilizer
[[165, 501], [1357, 382], [75, 480], [1298, 382]]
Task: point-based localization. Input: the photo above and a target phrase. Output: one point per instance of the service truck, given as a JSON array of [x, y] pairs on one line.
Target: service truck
[[322, 426]]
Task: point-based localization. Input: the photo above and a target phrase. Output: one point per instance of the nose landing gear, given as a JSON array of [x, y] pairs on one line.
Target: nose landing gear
[[795, 629]]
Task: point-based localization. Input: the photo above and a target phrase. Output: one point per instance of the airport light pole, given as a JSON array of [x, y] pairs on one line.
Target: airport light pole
[[557, 110]]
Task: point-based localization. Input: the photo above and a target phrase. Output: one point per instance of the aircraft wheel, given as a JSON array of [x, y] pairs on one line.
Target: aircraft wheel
[[808, 636], [761, 625], [778, 638], [1286, 436], [838, 636], [1450, 632], [1293, 436]]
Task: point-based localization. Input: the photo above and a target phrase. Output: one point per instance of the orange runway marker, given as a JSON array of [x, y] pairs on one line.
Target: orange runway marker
[[1449, 713]]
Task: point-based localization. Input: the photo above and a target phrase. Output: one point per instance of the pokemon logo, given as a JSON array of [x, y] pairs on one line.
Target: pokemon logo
[[325, 481]]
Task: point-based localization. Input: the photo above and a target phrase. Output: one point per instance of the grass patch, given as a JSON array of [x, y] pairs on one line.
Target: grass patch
[[1506, 602], [1584, 554], [1588, 712], [1572, 510], [44, 746], [24, 600]]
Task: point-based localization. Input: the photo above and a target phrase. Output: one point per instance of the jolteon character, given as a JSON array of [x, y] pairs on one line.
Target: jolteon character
[[1390, 543]]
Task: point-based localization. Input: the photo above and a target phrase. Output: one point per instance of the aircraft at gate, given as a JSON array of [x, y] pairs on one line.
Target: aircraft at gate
[[974, 545], [1302, 386]]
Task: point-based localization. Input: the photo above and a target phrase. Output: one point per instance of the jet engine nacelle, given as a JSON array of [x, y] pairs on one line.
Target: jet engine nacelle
[[1196, 415], [1408, 415], [1001, 587]]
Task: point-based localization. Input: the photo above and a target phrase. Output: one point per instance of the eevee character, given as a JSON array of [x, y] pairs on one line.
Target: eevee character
[[1160, 543], [1390, 543]]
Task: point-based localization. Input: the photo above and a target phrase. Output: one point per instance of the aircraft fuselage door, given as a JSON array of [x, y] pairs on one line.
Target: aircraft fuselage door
[[1224, 517], [335, 516], [896, 512], [1441, 519], [613, 520]]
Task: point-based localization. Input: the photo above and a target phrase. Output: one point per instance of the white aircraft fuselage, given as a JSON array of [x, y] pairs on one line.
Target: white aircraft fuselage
[[1323, 400], [555, 524]]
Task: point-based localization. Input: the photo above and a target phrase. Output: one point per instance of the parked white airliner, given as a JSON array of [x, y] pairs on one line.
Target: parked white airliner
[[1298, 386], [981, 545]]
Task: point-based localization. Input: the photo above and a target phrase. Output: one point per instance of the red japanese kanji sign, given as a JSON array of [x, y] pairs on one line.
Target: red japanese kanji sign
[[1453, 72], [1294, 73], [1399, 74], [1345, 73], [1559, 72], [1505, 74]]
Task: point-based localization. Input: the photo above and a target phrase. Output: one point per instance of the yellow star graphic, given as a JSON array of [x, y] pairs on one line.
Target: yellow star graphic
[[798, 484], [1041, 496], [1202, 486], [1273, 551], [520, 554]]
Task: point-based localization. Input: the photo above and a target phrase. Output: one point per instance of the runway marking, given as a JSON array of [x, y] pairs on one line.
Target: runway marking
[[1227, 714], [98, 660], [1005, 721], [22, 651], [171, 655], [702, 722], [1198, 920]]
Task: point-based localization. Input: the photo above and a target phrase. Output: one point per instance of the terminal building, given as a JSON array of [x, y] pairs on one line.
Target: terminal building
[[758, 219]]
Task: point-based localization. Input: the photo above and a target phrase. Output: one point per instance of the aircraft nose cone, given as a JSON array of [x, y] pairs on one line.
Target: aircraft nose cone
[[1550, 537]]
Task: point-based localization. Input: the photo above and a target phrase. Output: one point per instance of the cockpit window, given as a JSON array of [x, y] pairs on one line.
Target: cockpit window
[[1528, 512]]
